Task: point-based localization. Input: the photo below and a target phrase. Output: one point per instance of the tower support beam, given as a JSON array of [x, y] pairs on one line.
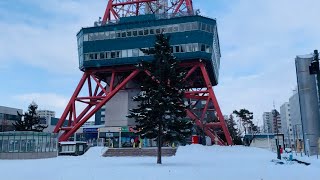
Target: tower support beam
[[123, 8], [100, 94]]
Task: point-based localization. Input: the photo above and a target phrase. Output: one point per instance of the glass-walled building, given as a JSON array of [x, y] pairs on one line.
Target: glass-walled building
[[8, 116], [27, 145]]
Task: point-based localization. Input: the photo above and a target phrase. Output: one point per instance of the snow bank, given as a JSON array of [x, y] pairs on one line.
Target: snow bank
[[94, 152], [190, 163]]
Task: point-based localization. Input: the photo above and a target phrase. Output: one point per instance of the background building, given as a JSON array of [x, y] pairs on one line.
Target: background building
[[267, 122], [272, 122], [286, 124], [8, 116], [45, 118], [295, 117]]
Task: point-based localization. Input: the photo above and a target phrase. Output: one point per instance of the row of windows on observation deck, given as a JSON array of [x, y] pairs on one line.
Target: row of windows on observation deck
[[182, 48], [173, 28]]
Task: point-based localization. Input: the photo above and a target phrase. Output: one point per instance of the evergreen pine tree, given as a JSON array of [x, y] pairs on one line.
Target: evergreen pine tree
[[161, 112], [30, 121], [234, 132], [245, 117]]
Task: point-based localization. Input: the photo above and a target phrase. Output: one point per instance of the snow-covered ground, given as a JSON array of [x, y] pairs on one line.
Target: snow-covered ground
[[191, 162]]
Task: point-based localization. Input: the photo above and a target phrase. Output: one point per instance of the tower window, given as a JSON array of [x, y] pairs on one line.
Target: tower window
[[158, 31], [152, 31], [129, 33], [176, 49], [124, 34], [134, 33], [113, 54], [102, 55], [146, 32], [140, 32]]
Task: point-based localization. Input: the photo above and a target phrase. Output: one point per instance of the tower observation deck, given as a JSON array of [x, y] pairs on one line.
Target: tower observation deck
[[109, 52], [192, 37]]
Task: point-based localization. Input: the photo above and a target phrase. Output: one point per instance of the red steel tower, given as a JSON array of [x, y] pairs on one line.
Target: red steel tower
[[103, 79]]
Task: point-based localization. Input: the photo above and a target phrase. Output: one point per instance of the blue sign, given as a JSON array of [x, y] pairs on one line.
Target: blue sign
[[90, 130]]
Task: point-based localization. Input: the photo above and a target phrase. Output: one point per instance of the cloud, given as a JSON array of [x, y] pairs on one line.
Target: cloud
[[45, 39], [47, 101], [259, 41]]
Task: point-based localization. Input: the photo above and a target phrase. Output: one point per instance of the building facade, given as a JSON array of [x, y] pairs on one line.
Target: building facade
[[286, 124], [295, 117], [267, 122], [8, 116], [272, 122], [45, 119]]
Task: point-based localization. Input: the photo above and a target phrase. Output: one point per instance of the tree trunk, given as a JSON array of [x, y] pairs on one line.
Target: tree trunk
[[159, 143]]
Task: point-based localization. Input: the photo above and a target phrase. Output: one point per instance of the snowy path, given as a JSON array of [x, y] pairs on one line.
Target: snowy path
[[191, 162]]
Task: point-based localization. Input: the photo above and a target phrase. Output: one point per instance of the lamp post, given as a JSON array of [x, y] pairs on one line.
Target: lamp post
[[120, 129]]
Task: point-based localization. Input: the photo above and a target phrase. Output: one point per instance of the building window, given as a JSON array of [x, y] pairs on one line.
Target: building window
[[194, 26], [118, 54], [135, 52], [118, 34], [203, 26], [183, 48], [208, 28], [85, 37], [141, 53], [176, 49], [129, 52], [175, 28], [181, 27], [129, 33], [124, 34], [107, 34], [124, 53], [140, 32], [152, 31], [112, 34], [203, 47], [108, 55], [146, 32], [86, 57], [158, 31], [189, 48], [208, 49], [195, 47], [134, 33], [102, 55], [188, 26], [113, 54]]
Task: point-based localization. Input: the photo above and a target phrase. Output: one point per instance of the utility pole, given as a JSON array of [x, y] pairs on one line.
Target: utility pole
[[275, 121]]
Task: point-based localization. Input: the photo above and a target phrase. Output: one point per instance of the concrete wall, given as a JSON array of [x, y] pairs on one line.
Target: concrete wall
[[118, 108], [308, 102], [35, 155]]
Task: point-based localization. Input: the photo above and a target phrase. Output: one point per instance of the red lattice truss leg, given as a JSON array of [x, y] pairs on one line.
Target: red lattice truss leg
[[100, 92], [214, 129], [98, 95]]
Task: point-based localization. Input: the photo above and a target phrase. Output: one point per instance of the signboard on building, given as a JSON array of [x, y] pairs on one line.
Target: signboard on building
[[124, 129], [90, 130], [108, 135]]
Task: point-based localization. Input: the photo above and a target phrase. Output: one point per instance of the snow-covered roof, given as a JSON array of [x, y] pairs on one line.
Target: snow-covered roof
[[305, 56]]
